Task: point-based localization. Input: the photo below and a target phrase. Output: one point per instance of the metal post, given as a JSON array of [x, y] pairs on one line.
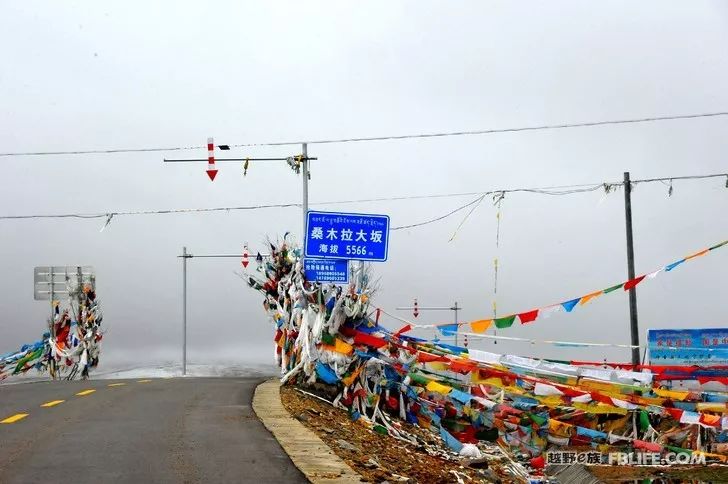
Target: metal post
[[455, 308], [304, 205], [633, 326], [360, 277], [53, 296], [79, 275], [184, 311]]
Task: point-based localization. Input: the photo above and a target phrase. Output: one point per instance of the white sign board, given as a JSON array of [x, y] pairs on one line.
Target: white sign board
[[52, 282]]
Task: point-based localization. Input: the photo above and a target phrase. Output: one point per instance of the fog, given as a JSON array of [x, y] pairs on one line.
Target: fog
[[84, 76]]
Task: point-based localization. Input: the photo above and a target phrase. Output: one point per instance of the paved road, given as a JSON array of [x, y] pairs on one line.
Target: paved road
[[138, 431]]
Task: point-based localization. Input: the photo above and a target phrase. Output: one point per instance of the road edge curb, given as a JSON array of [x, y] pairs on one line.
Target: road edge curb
[[307, 451]]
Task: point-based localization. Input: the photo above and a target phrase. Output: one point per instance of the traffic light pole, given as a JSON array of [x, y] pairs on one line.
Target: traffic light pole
[[455, 308], [186, 255]]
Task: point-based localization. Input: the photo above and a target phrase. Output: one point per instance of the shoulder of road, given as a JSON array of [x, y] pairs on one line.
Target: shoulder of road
[[308, 452]]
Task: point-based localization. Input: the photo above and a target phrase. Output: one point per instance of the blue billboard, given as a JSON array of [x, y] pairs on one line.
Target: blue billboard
[[704, 347], [322, 270], [350, 236]]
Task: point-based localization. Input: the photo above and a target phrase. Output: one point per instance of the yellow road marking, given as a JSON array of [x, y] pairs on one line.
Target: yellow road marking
[[85, 392], [144, 381], [116, 384], [52, 403], [14, 418]]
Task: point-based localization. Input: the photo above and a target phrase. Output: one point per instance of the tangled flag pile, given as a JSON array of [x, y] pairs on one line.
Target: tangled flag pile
[[325, 334], [70, 348]]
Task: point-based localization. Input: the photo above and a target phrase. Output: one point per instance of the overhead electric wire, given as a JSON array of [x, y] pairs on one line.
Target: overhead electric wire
[[381, 138], [549, 190], [436, 219]]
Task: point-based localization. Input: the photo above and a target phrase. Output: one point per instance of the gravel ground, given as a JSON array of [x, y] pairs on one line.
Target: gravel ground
[[674, 474], [380, 458]]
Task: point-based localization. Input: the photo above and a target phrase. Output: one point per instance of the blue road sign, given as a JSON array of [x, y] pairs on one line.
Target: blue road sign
[[325, 270], [704, 346], [352, 236]]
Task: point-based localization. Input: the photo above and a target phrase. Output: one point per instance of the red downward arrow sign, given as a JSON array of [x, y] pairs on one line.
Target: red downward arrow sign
[[211, 174]]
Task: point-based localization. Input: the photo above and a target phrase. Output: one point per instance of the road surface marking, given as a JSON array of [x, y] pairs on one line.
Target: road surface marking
[[85, 392], [116, 384], [14, 418], [144, 381], [52, 403]]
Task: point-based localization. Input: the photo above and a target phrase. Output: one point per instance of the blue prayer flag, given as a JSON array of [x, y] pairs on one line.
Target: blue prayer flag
[[569, 305]]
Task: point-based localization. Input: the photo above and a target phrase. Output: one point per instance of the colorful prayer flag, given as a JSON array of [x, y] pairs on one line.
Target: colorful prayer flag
[[481, 326], [569, 305], [633, 283], [528, 317], [505, 322]]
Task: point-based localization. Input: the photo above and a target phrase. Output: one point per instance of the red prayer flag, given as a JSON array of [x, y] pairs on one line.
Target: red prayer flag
[[528, 317], [369, 340], [403, 329], [630, 284], [423, 357], [462, 367], [675, 413]]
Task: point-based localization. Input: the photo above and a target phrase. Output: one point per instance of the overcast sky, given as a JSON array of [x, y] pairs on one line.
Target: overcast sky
[[90, 75]]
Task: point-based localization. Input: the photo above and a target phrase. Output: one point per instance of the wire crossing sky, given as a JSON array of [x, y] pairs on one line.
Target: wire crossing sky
[[553, 191], [382, 138]]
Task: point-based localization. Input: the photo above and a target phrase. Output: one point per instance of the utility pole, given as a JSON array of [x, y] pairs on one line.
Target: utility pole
[[455, 308], [633, 324], [185, 256], [304, 159], [304, 205]]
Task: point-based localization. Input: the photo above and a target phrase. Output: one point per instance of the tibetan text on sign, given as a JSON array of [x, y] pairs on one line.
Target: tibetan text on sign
[[351, 236]]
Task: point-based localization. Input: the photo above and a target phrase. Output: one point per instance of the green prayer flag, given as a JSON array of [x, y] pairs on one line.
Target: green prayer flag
[[678, 450], [381, 430], [644, 421], [613, 288], [506, 322], [328, 339], [418, 379], [539, 420], [28, 358]]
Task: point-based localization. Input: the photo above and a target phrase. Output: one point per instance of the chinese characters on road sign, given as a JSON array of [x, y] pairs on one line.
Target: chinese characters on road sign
[[353, 236]]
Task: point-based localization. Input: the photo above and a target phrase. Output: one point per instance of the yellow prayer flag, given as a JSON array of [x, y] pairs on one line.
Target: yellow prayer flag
[[697, 254], [493, 381], [671, 394], [350, 379], [560, 429], [551, 401], [588, 297], [712, 407], [600, 408], [481, 326], [343, 347], [433, 386], [437, 366]]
